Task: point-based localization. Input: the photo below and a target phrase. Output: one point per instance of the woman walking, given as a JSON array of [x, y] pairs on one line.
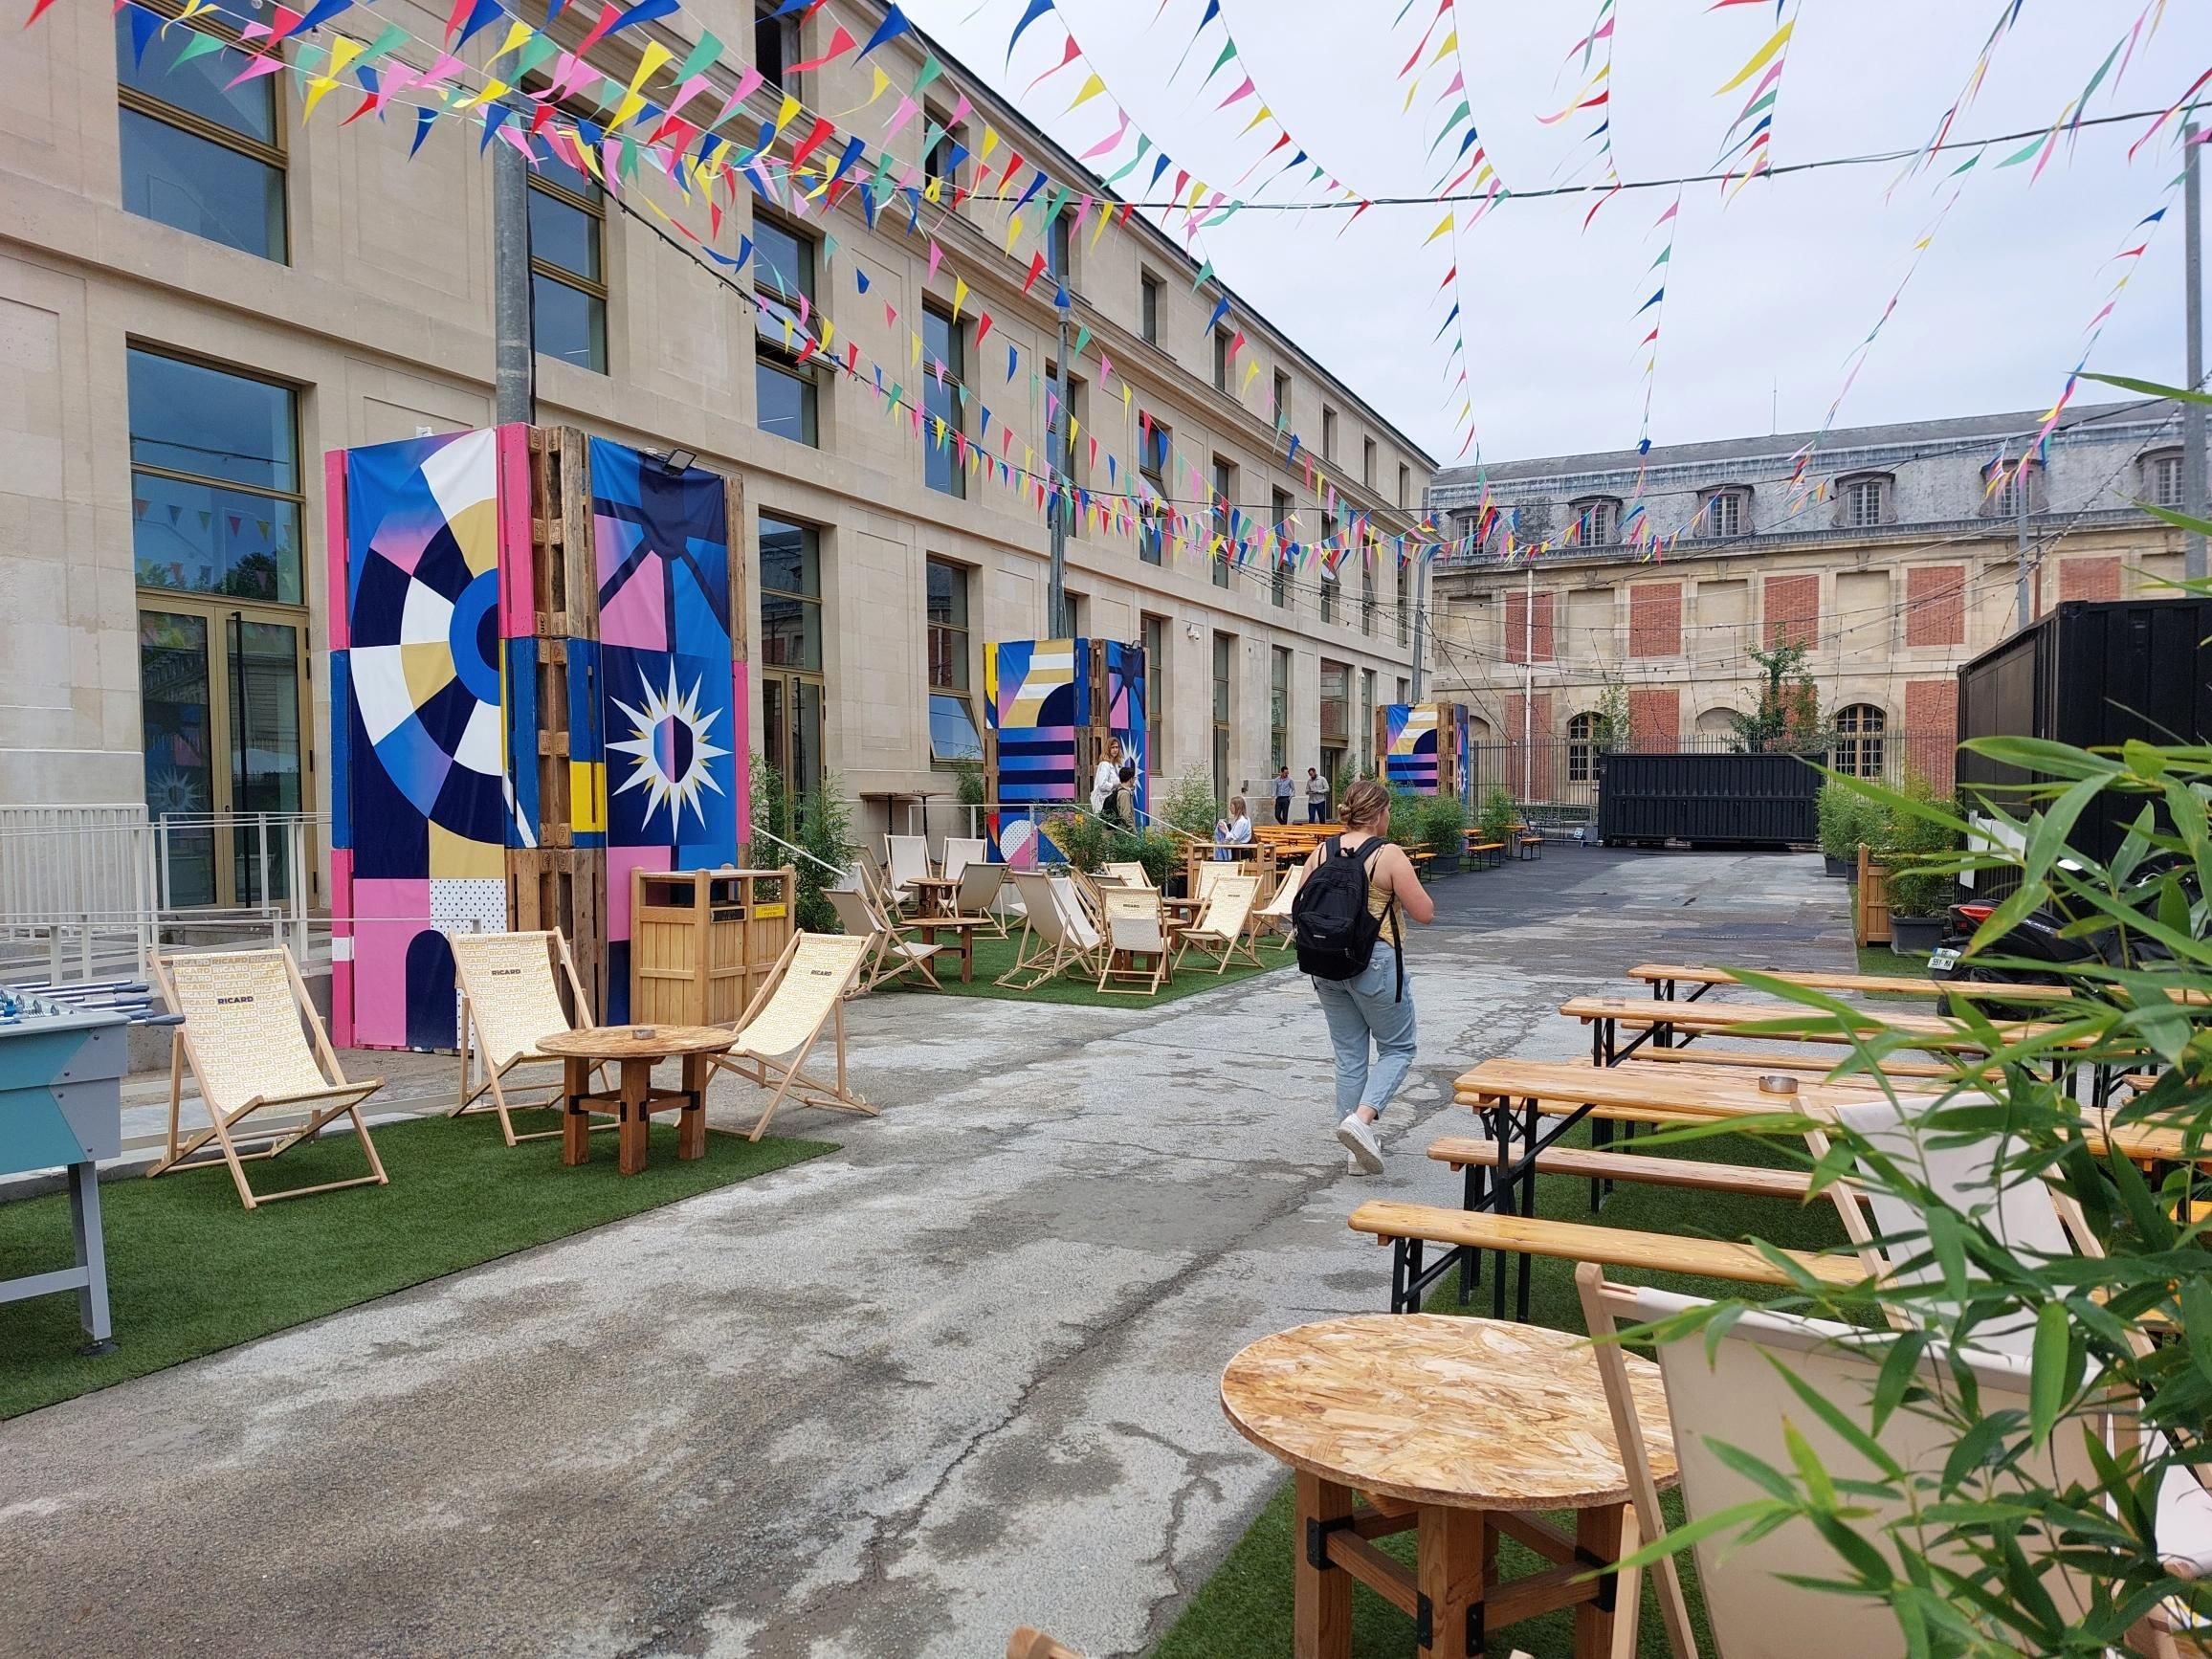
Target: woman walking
[[1349, 918]]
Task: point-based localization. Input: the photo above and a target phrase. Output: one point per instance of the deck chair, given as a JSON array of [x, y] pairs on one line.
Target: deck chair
[[510, 985], [909, 859], [977, 898], [1130, 875], [1274, 917], [779, 1029], [254, 1044], [1133, 933], [875, 883], [1220, 932], [962, 851], [890, 953], [1057, 933], [1029, 1643], [1740, 1399]]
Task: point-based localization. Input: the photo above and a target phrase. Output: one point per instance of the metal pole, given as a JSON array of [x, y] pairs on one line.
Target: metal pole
[[2193, 564], [514, 365], [2022, 612], [1420, 620], [1057, 501], [1528, 676]]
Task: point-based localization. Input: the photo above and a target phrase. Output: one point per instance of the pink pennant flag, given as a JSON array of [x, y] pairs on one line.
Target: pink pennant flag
[[906, 111], [935, 259], [1106, 146], [1244, 91], [747, 83]]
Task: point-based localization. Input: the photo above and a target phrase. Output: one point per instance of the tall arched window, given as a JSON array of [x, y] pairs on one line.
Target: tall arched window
[[1859, 741], [1582, 749]]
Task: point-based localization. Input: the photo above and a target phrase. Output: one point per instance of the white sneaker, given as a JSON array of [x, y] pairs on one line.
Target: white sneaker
[[1352, 1164], [1360, 1142]]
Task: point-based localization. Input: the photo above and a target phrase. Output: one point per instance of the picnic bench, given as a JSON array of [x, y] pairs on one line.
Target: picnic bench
[[1666, 1024], [1485, 853]]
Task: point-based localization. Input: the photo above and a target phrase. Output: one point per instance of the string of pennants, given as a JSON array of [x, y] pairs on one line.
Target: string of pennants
[[1131, 505]]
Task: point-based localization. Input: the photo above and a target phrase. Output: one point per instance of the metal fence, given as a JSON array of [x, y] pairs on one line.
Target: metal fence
[[93, 892], [1557, 783]]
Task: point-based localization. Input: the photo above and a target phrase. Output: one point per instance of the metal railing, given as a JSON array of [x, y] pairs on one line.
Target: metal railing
[[93, 892]]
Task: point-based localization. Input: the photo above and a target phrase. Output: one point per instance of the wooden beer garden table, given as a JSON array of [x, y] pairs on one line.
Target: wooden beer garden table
[[1458, 1429], [634, 1050], [937, 893]]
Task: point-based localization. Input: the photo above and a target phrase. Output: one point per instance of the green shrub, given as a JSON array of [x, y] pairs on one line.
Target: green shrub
[[1189, 804], [970, 782], [1838, 810], [824, 831], [1157, 850], [1408, 826], [1498, 814], [1347, 774], [1444, 826], [1083, 838], [1907, 842]]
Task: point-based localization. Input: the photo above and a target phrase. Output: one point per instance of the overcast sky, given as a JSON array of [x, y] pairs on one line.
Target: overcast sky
[[1768, 293]]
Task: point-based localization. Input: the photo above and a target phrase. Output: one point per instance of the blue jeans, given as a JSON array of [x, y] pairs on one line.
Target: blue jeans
[[1362, 1009]]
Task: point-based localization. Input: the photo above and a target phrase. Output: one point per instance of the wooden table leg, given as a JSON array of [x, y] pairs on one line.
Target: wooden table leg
[[636, 1088], [1449, 1574], [1321, 1597], [1607, 1533], [575, 1121], [967, 956], [690, 1140]]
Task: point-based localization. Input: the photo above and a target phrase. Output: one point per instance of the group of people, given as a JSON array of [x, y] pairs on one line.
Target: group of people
[[1357, 973], [1317, 795]]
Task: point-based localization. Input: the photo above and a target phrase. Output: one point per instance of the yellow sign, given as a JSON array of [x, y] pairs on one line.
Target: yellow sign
[[768, 912]]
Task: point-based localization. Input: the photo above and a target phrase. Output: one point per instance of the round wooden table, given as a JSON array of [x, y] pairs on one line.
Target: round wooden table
[[634, 1050], [1460, 1428]]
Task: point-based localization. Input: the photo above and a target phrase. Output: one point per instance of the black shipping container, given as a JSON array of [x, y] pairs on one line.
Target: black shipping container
[[2090, 674], [1709, 800]]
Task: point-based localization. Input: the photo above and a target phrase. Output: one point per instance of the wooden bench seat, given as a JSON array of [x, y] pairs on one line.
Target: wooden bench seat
[[1462, 1151], [1701, 1056], [1409, 1226]]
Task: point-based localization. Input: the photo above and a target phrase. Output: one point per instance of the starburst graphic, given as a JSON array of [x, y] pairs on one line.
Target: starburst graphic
[[673, 756]]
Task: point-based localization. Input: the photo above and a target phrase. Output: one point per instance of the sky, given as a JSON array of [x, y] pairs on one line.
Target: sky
[[1768, 292]]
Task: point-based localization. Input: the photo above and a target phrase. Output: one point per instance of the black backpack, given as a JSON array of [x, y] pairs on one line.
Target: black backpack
[[1336, 931]]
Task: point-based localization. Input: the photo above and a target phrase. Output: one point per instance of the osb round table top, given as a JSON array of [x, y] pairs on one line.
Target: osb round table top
[[635, 1041], [1438, 1409]]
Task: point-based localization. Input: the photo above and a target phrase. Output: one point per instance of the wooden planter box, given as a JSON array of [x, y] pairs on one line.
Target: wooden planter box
[[702, 941], [1871, 906]]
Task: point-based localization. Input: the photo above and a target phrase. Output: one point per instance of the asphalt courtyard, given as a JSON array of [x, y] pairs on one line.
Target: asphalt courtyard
[[889, 1404]]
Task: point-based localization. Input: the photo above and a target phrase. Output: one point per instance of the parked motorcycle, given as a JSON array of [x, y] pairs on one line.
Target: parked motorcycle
[[2039, 951]]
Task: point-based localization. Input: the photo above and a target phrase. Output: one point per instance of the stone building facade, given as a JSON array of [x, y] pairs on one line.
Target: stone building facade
[[201, 292], [1893, 563]]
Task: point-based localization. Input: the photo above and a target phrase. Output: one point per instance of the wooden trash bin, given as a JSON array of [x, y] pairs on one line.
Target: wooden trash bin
[[702, 941]]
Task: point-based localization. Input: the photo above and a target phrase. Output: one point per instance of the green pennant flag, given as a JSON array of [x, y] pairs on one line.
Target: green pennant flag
[[2028, 154], [1205, 276], [1143, 143], [389, 39], [200, 45], [700, 57], [627, 166], [1054, 202], [1082, 339], [534, 51], [1227, 53], [829, 249], [931, 69]]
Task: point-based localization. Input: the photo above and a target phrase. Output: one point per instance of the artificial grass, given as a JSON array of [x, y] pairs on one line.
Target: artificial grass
[[1242, 1611], [995, 956], [190, 1271]]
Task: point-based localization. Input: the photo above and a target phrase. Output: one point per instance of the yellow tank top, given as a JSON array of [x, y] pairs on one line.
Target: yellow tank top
[[1378, 896]]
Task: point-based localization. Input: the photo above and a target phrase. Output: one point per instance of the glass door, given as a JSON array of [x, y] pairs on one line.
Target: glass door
[[792, 709], [221, 699]]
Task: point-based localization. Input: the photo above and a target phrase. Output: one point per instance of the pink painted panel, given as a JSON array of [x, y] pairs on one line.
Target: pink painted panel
[[517, 619], [387, 915]]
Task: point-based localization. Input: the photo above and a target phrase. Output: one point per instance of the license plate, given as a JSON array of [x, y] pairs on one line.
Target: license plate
[[1940, 960]]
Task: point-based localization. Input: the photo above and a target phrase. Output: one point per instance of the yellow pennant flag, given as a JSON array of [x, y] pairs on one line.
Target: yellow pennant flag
[[959, 294], [1449, 46], [784, 114], [654, 57], [517, 33], [1759, 59], [1013, 230], [493, 88], [829, 331], [1092, 88], [1251, 373], [1263, 113], [1442, 228], [917, 348], [882, 85], [342, 52], [990, 142]]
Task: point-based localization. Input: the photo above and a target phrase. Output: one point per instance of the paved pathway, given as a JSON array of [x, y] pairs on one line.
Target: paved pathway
[[885, 1405]]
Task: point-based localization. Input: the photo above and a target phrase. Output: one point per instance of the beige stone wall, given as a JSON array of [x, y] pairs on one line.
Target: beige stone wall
[[381, 320], [1863, 634]]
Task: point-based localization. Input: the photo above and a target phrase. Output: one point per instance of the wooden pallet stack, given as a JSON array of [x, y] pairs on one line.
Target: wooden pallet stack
[[560, 883], [703, 941]]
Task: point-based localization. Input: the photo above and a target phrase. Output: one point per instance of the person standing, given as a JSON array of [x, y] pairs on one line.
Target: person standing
[[1234, 830], [1107, 777], [1284, 789], [1349, 922], [1316, 797]]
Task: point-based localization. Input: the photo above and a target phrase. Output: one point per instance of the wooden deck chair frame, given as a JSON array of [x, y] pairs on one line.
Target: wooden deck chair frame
[[1274, 917], [1141, 907], [1052, 904], [1209, 937], [1129, 874], [973, 850], [831, 964], [1027, 1643], [339, 1099], [904, 859], [891, 954], [541, 1096], [971, 903]]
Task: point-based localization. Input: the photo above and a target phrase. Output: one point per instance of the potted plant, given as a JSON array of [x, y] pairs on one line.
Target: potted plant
[[1841, 814], [1918, 894], [1082, 838], [1443, 827], [1498, 817]]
